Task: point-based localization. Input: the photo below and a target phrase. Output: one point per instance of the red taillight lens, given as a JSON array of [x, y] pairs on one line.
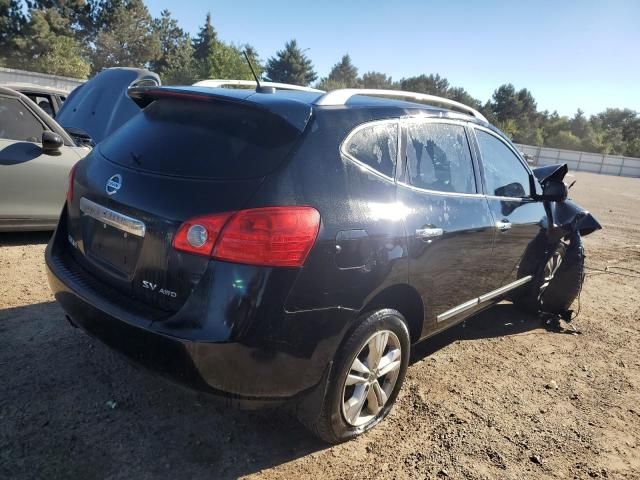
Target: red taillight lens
[[200, 234], [271, 236], [72, 176], [275, 236]]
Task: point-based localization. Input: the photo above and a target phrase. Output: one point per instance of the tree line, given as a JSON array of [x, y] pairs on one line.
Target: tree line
[[78, 38]]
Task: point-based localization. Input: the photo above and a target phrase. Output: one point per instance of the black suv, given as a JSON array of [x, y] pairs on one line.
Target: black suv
[[278, 246]]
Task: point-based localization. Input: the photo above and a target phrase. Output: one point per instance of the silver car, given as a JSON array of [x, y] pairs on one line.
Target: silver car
[[36, 155], [37, 152]]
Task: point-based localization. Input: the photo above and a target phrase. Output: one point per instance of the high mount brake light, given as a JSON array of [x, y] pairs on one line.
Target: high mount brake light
[[270, 236], [72, 176]]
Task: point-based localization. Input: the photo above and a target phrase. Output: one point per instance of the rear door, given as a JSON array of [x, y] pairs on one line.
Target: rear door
[[517, 217], [449, 225], [32, 184]]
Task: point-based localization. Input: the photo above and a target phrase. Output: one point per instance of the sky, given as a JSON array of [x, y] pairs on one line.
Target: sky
[[569, 54]]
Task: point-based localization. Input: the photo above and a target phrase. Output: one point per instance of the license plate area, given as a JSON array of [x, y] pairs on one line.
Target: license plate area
[[111, 238]]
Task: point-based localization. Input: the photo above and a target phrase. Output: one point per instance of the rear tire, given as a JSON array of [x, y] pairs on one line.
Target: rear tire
[[367, 374]]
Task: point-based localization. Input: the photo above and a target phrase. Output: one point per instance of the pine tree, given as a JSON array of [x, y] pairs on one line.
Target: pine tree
[[205, 43], [80, 14], [47, 45], [175, 65], [377, 80], [291, 65], [126, 36], [12, 21], [431, 84]]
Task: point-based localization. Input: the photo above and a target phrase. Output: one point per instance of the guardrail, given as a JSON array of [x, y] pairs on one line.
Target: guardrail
[[583, 161], [12, 75]]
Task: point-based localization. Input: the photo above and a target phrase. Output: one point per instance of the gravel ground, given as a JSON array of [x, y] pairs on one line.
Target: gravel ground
[[499, 397]]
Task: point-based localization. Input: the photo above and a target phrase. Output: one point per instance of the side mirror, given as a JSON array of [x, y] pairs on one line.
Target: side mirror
[[51, 143], [514, 189], [554, 191]]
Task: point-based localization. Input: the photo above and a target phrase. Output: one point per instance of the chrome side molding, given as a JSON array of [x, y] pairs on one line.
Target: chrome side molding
[[499, 291], [113, 218], [482, 298]]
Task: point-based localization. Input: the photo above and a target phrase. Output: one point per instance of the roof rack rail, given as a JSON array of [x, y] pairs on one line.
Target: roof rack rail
[[341, 96], [216, 83]]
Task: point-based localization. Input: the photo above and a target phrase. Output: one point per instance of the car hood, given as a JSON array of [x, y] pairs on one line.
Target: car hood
[[98, 107]]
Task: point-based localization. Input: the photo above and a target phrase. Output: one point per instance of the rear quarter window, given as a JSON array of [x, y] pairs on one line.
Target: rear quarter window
[[374, 145], [202, 139]]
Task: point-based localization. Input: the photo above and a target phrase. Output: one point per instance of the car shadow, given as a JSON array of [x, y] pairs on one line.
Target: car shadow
[[13, 239], [72, 408], [501, 320], [19, 152]]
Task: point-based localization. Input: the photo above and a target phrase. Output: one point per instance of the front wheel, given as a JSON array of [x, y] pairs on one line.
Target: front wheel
[[368, 372], [558, 282]]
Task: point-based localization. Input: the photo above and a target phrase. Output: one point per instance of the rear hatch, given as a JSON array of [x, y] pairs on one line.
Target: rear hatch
[[178, 159]]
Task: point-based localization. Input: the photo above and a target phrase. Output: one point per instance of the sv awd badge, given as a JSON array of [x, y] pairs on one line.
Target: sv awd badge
[[153, 287]]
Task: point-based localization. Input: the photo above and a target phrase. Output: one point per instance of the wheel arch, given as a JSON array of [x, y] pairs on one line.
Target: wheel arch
[[406, 300]]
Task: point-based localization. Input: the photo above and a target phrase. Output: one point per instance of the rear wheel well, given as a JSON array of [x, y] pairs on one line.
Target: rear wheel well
[[406, 300]]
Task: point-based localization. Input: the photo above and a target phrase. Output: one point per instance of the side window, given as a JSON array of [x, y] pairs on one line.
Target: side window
[[438, 157], [44, 102], [17, 122], [376, 146], [504, 175]]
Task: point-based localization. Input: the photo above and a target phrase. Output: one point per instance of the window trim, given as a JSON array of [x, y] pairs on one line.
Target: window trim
[[45, 127], [477, 178], [481, 162], [361, 164]]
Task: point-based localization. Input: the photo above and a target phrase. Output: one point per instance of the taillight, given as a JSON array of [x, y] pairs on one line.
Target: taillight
[[72, 176], [271, 236], [200, 234]]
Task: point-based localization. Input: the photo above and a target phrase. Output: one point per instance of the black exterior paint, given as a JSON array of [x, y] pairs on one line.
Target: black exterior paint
[[270, 334]]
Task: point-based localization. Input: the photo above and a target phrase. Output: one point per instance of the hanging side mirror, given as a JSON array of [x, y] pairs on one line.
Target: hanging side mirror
[[554, 191]]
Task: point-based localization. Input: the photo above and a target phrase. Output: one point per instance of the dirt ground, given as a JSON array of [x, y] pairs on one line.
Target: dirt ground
[[499, 397]]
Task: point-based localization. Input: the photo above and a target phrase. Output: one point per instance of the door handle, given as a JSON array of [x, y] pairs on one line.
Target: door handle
[[503, 225], [429, 232]]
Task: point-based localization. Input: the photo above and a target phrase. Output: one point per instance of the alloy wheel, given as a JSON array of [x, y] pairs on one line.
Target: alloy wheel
[[371, 378], [550, 269]]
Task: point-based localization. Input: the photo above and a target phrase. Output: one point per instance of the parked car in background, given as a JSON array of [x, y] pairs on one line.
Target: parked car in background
[[36, 155], [100, 106], [277, 246], [37, 152], [49, 99]]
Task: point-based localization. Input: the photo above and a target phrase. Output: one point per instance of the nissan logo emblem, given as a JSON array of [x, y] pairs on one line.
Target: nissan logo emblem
[[114, 184]]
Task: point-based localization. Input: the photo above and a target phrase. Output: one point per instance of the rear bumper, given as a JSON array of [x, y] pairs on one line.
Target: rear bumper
[[279, 358]]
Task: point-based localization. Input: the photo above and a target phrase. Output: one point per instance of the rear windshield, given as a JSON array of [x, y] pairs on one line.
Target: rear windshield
[[201, 139]]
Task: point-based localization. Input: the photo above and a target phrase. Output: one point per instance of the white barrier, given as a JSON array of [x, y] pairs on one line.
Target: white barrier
[[583, 161], [11, 75]]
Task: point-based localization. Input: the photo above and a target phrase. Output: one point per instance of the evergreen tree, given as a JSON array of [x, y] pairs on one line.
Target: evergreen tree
[[48, 46], [205, 43], [228, 62], [175, 65], [377, 80], [343, 75], [80, 15], [431, 84], [12, 21], [126, 36], [291, 65], [459, 94]]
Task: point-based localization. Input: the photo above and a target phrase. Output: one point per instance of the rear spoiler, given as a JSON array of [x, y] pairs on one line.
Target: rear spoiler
[[296, 113]]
